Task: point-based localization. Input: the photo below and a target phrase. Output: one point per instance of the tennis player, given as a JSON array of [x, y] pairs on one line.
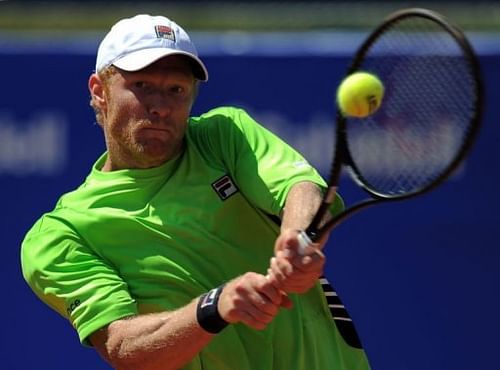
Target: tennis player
[[169, 254]]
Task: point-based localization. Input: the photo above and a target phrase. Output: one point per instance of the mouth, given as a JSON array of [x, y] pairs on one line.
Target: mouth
[[150, 128], [155, 132], [153, 127]]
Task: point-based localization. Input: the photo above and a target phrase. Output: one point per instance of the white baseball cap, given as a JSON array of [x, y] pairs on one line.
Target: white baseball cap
[[134, 43]]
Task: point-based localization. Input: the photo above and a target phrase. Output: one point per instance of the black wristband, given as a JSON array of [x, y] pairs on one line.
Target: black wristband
[[207, 312]]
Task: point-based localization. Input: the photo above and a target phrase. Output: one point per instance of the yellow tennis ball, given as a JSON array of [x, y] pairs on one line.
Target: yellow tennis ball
[[360, 94]]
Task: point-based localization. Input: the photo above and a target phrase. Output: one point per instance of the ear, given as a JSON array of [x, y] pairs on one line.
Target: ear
[[96, 88]]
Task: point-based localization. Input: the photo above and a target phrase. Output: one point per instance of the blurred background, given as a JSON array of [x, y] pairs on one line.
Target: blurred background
[[420, 278]]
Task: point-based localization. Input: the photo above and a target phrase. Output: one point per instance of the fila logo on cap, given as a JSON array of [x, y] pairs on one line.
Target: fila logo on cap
[[224, 187], [165, 32]]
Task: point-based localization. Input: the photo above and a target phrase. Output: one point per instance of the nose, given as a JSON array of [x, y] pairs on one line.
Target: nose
[[159, 106]]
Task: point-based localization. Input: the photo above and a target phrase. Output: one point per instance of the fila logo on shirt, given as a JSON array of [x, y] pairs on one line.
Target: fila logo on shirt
[[224, 187]]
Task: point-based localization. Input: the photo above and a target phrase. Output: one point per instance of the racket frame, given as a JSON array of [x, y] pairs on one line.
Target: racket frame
[[319, 226]]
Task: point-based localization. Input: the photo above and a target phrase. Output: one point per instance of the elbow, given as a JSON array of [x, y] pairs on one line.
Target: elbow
[[114, 350], [120, 358], [123, 354], [115, 356]]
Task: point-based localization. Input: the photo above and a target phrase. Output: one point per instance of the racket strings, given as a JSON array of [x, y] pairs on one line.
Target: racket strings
[[426, 114]]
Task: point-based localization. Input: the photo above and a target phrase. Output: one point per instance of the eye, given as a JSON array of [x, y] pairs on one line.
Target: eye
[[177, 90], [140, 84]]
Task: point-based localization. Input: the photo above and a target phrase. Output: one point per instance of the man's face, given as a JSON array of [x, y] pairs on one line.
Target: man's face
[[146, 112]]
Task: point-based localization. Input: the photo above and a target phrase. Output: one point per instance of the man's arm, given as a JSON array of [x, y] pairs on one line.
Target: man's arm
[[153, 340], [168, 340], [302, 202], [290, 271]]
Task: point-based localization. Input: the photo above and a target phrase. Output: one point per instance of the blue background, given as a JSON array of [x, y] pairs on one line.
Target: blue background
[[420, 278]]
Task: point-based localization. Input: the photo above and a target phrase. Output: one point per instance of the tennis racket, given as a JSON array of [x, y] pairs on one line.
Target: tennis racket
[[426, 124]]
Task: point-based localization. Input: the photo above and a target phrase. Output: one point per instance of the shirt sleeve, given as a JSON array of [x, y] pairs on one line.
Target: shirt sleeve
[[65, 274], [263, 165]]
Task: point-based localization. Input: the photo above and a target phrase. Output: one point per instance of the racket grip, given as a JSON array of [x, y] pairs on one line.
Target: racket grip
[[304, 242]]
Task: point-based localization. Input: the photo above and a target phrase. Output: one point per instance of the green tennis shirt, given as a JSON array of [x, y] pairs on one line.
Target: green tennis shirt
[[135, 241]]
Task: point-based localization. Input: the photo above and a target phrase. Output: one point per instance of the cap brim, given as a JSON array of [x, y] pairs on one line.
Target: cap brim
[[142, 58]]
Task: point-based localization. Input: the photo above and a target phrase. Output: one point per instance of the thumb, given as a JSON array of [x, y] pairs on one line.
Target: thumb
[[286, 302]]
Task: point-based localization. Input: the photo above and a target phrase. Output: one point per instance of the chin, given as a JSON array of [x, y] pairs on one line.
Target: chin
[[157, 150], [157, 154]]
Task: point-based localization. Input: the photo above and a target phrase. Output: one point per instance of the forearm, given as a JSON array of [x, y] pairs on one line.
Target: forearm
[[291, 270], [166, 340], [302, 202]]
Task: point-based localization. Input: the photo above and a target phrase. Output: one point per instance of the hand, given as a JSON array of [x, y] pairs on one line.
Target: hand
[[290, 271], [251, 299]]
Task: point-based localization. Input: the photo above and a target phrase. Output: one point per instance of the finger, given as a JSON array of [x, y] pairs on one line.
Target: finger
[[300, 282], [265, 308], [280, 270], [302, 266], [240, 308], [250, 321], [311, 262], [300, 279], [287, 259], [274, 291], [270, 296], [282, 265], [257, 298], [237, 297], [286, 302], [258, 314]]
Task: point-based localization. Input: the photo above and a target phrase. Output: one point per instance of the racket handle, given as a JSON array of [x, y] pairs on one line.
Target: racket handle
[[304, 242]]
